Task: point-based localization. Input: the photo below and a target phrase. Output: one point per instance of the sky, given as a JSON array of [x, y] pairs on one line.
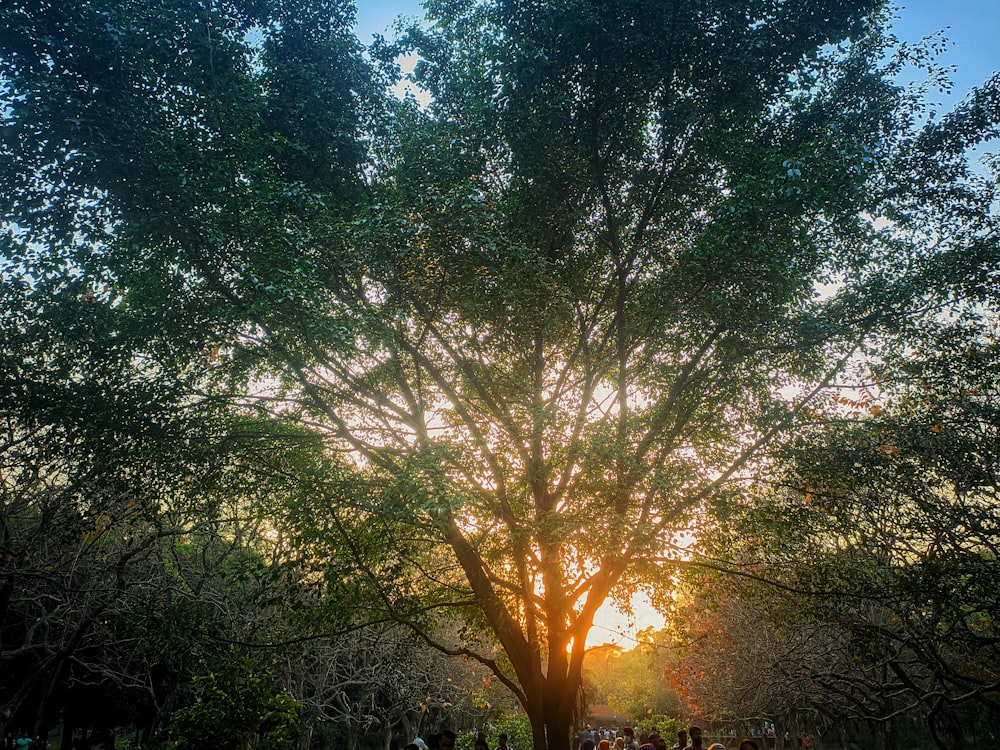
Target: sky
[[972, 28]]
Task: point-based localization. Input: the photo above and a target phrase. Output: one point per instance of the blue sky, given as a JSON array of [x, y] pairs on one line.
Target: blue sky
[[972, 26]]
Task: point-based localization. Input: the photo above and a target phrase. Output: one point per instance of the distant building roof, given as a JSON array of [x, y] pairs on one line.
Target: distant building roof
[[603, 715]]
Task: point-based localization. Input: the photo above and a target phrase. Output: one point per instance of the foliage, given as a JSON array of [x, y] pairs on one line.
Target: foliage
[[632, 682], [517, 728], [666, 726], [527, 332], [233, 707], [882, 537], [380, 680], [644, 692]]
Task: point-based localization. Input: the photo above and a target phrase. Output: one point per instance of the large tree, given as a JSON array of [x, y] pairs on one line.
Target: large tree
[[544, 318]]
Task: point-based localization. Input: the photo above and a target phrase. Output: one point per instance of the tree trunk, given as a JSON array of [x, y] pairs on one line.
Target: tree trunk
[[779, 733], [537, 730], [352, 734], [889, 735], [558, 725], [551, 713], [945, 729], [306, 735], [409, 730]]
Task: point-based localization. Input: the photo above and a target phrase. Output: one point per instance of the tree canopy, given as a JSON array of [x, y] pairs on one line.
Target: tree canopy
[[881, 536], [537, 324]]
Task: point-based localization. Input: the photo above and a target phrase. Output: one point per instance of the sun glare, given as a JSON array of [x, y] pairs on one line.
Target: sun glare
[[613, 626]]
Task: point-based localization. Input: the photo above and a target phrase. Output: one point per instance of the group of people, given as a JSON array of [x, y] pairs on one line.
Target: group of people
[[606, 739], [625, 739], [689, 739], [444, 740]]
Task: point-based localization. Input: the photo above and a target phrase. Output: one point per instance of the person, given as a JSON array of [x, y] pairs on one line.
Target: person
[[481, 744], [502, 742], [619, 743], [748, 744], [695, 734], [603, 745], [630, 743], [716, 746], [682, 739], [446, 740], [421, 745]]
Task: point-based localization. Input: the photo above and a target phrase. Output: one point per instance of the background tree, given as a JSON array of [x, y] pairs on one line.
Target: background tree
[[884, 537], [233, 707], [633, 681], [381, 681], [739, 667]]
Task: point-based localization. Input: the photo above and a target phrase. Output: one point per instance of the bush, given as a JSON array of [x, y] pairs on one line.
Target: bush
[[234, 708]]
